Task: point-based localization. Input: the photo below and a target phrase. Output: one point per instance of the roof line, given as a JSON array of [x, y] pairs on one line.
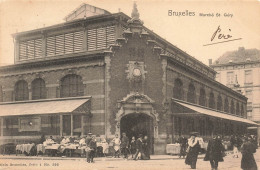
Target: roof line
[[204, 107], [46, 100]]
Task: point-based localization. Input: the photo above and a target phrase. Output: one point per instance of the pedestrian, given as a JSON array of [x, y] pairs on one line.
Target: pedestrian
[[247, 150], [92, 148], [139, 146], [133, 146], [87, 141], [124, 145], [192, 151], [215, 152], [116, 141], [183, 144], [146, 149], [235, 147]]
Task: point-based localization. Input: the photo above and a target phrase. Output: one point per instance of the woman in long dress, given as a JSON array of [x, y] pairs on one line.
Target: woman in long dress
[[248, 149], [192, 151]]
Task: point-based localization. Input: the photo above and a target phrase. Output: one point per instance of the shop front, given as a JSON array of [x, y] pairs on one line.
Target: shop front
[[25, 122]]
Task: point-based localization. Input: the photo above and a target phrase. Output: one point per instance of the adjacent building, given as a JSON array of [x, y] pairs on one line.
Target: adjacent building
[[240, 71], [107, 74]]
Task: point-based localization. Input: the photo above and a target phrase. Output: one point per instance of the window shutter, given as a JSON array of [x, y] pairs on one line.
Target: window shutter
[[110, 35], [59, 44], [69, 42], [51, 46], [101, 38], [23, 51], [78, 41], [92, 39]]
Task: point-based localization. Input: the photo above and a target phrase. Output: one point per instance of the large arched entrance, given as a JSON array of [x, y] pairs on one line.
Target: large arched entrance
[[138, 123], [136, 115]]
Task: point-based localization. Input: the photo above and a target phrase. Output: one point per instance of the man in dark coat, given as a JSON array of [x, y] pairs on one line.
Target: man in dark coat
[[139, 146], [194, 148], [88, 139], [93, 147], [247, 150], [215, 152], [133, 146], [124, 144], [183, 144]]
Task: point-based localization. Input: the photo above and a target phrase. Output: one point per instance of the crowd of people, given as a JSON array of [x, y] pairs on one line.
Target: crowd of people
[[138, 149], [215, 151]]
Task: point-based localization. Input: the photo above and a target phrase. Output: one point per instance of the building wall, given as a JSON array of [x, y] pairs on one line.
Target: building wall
[[250, 90], [92, 73], [188, 77]]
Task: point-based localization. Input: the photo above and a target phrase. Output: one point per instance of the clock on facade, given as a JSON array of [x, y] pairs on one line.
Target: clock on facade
[[137, 72]]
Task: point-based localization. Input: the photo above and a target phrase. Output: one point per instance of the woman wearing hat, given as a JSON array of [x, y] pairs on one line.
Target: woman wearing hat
[[248, 149], [192, 151]]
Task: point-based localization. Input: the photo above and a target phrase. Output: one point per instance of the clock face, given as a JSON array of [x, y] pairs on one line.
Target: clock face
[[137, 72]]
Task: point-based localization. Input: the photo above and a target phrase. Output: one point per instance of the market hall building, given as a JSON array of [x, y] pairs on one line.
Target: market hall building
[[107, 74]]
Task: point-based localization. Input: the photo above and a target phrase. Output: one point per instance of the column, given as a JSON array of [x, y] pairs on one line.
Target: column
[[2, 126], [82, 125], [173, 129], [71, 125], [85, 44], [16, 50], [30, 91], [44, 46], [61, 125], [107, 92]]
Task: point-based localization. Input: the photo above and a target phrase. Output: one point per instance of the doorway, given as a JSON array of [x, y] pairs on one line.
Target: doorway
[[137, 123]]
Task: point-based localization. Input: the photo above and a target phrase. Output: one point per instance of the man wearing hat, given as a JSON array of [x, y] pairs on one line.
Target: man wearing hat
[[192, 151]]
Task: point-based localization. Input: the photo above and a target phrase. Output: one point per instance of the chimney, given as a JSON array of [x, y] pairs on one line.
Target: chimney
[[210, 61]]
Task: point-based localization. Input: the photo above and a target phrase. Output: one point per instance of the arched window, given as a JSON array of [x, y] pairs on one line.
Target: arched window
[[242, 111], [21, 91], [219, 103], [191, 96], [226, 106], [178, 89], [232, 109], [202, 100], [237, 109], [211, 101], [38, 89], [71, 86]]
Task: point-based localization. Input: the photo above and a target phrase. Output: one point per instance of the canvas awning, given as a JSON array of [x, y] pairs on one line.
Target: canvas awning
[[204, 111], [47, 106]]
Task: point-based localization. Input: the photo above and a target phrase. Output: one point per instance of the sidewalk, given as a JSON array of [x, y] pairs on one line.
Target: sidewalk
[[153, 157]]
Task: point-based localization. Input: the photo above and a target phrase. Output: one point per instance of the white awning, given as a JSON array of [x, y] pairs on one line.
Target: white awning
[[47, 106], [213, 113]]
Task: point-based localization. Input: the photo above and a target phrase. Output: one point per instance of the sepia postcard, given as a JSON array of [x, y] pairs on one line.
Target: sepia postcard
[[124, 84]]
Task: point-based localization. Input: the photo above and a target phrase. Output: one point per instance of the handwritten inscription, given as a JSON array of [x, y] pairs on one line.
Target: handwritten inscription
[[220, 35]]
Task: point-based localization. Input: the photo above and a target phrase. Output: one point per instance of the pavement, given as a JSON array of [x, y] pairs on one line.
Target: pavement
[[21, 162]]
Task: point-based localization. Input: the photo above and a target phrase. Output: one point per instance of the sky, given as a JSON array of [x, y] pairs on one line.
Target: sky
[[189, 33]]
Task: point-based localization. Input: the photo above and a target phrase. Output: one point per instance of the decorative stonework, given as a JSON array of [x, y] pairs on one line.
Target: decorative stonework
[[137, 103], [136, 75]]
